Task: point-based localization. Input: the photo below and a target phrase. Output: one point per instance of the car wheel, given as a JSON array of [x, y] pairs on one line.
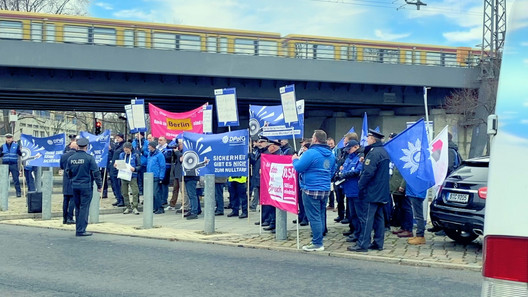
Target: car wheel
[[462, 237]]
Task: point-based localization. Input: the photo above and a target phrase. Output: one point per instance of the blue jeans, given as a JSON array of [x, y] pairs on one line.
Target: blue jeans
[[315, 209], [219, 197], [239, 202], [157, 195], [417, 206], [190, 187], [407, 214]]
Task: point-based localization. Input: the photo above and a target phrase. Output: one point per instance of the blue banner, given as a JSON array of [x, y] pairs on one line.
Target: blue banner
[[409, 151], [42, 151], [269, 121], [98, 147], [224, 154]]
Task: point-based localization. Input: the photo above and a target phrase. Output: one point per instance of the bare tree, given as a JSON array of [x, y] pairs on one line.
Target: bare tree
[[71, 7], [466, 103]]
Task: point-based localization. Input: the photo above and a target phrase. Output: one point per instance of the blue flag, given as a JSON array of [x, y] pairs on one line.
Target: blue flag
[[364, 131], [224, 154], [409, 151], [269, 121], [42, 151], [98, 147], [342, 141]]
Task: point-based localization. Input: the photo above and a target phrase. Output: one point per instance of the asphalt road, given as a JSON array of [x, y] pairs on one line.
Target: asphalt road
[[42, 262]]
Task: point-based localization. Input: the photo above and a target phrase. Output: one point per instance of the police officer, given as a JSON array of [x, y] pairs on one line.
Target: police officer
[[83, 171], [374, 193], [9, 154]]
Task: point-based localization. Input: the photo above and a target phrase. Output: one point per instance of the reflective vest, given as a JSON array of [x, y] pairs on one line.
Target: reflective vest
[[238, 179], [10, 154]]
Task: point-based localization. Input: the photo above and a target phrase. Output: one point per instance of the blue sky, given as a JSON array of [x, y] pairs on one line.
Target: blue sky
[[441, 22]]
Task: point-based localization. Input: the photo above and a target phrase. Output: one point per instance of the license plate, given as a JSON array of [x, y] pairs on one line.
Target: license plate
[[457, 197]]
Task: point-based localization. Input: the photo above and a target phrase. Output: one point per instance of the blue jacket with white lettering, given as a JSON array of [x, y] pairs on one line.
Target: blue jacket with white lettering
[[83, 171], [351, 170]]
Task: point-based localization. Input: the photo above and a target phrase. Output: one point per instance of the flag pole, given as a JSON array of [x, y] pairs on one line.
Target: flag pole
[[429, 138]]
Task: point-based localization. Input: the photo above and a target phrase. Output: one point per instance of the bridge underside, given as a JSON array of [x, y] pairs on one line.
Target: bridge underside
[[78, 90]]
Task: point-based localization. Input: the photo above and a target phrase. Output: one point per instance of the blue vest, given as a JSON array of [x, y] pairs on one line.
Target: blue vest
[[10, 155]]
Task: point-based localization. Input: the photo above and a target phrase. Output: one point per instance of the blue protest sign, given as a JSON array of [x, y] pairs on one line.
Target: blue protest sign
[[42, 151], [226, 107], [224, 154], [269, 121], [98, 147]]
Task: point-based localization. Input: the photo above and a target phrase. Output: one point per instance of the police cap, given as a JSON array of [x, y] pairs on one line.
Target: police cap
[[9, 135], [275, 142], [263, 139], [351, 144], [82, 142], [375, 134]]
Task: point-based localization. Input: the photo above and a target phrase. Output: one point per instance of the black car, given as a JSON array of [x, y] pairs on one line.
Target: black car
[[458, 208]]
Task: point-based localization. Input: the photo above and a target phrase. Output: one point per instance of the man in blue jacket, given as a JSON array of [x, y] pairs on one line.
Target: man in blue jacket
[[374, 193], [350, 173], [140, 145], [9, 153], [316, 167], [156, 165]]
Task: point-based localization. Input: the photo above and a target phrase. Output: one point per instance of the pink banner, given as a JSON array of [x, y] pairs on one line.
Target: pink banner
[[278, 182], [170, 124]]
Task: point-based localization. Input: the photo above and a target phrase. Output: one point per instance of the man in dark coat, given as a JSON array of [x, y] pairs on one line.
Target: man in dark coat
[[374, 192], [67, 191]]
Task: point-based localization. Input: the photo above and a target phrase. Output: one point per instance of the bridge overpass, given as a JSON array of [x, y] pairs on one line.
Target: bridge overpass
[[61, 76]]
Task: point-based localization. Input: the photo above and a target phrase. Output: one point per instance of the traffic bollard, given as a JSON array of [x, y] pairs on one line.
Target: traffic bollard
[[209, 204]]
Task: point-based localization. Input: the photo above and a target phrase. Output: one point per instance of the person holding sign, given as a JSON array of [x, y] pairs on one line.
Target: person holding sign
[[133, 163], [316, 168]]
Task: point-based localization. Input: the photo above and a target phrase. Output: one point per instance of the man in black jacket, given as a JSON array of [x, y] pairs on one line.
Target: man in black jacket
[[116, 182], [83, 171], [374, 192]]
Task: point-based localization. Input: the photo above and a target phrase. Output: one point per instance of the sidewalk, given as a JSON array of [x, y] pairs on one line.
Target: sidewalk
[[438, 252]]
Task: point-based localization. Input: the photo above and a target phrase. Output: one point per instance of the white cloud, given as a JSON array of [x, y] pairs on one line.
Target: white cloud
[[525, 61], [474, 34], [390, 36], [524, 43], [104, 5], [135, 14]]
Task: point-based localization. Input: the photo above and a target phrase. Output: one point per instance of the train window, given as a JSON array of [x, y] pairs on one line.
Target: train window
[[389, 56], [417, 57], [211, 44], [246, 46], [322, 51], [371, 55], [304, 50], [50, 32], [433, 58], [450, 60], [268, 48], [141, 39], [36, 32], [128, 38], [75, 34], [222, 45], [10, 29], [164, 40], [105, 36], [343, 52], [188, 42]]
